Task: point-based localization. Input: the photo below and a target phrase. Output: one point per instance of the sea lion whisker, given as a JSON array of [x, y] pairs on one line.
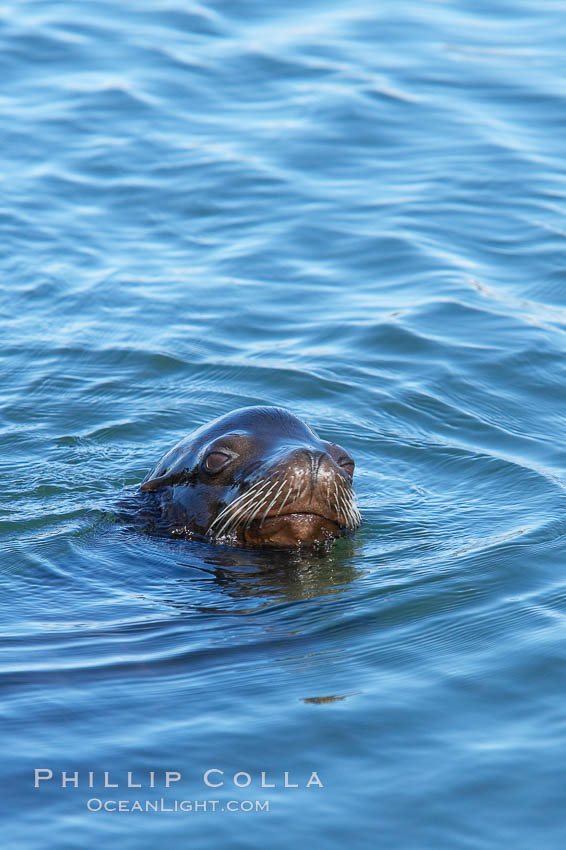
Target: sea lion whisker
[[341, 509], [237, 516], [234, 517], [241, 503], [244, 510], [344, 498], [336, 498], [235, 522], [350, 513], [271, 504], [356, 513], [354, 507], [283, 503], [228, 508], [265, 495], [344, 509], [350, 505], [346, 502]]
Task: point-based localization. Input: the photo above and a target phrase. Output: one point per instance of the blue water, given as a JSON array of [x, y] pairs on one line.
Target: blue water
[[354, 210]]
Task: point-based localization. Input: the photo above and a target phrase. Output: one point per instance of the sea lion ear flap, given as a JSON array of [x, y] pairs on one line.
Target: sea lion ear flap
[[154, 483], [172, 468], [174, 475]]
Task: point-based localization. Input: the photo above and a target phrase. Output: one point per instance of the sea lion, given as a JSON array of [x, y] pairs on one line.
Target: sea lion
[[256, 477]]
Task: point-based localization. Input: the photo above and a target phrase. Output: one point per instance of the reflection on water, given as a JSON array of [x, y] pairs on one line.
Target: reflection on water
[[324, 700], [281, 576]]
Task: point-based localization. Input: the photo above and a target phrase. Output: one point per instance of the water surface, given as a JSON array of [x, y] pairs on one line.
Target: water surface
[[355, 211]]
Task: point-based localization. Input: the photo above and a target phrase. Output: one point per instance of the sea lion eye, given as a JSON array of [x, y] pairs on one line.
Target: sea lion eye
[[217, 460], [348, 465]]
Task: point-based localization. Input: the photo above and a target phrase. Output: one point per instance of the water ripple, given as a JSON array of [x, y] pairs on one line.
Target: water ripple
[[352, 211]]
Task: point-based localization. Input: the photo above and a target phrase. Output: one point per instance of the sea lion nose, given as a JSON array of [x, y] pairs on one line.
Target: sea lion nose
[[316, 459], [309, 461]]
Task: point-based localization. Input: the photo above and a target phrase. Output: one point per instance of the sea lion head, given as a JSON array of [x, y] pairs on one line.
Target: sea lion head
[[259, 477]]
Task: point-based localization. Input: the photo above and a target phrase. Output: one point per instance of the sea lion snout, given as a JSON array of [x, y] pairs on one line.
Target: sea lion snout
[[308, 499]]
